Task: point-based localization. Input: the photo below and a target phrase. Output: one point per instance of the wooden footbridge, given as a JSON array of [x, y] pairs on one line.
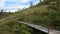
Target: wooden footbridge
[[44, 29]]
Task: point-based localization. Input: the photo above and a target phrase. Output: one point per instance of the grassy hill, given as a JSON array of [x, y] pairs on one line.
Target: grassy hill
[[40, 14], [5, 14]]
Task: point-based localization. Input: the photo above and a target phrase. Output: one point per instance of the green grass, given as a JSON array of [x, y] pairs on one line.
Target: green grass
[[39, 15]]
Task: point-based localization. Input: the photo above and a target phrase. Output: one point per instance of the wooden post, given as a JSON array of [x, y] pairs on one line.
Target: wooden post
[[34, 24], [48, 26]]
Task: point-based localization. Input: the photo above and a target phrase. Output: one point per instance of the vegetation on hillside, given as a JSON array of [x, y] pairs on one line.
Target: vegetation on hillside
[[47, 11], [42, 13], [4, 14]]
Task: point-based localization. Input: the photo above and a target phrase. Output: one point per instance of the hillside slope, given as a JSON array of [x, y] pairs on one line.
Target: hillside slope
[[41, 15]]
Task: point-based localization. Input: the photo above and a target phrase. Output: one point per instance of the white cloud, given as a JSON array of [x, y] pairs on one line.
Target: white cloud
[[14, 7], [2, 3], [11, 10], [11, 0], [42, 0], [23, 1], [36, 2]]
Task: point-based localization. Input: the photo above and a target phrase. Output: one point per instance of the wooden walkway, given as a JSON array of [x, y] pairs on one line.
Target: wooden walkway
[[44, 29]]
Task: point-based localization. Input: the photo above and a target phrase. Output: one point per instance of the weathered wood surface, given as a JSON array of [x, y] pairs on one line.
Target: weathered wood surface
[[44, 29]]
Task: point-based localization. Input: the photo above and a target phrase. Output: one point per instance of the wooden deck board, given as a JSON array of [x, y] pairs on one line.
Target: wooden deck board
[[44, 29]]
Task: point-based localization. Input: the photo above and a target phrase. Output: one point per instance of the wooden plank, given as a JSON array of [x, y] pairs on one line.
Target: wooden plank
[[44, 29]]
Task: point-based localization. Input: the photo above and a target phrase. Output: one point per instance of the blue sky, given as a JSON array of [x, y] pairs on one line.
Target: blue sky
[[13, 5]]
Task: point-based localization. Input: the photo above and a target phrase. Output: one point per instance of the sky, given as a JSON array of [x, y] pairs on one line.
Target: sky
[[14, 5]]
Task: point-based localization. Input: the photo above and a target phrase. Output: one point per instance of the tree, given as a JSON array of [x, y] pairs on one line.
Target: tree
[[31, 4], [1, 12]]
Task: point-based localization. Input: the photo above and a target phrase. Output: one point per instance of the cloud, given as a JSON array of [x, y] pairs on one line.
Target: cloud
[[23, 1], [11, 0], [42, 0], [15, 4], [2, 3], [36, 2], [14, 8]]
